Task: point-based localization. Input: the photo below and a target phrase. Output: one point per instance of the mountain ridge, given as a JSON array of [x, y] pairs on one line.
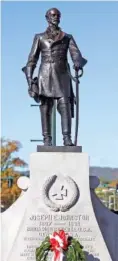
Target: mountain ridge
[[106, 173]]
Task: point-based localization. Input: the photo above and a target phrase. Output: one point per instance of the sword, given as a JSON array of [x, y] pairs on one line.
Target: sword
[[76, 79]]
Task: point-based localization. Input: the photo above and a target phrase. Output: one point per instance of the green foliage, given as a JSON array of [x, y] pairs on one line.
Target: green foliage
[[104, 181], [42, 251], [73, 253]]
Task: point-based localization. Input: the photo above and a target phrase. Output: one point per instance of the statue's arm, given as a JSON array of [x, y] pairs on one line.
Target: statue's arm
[[76, 55], [32, 59]]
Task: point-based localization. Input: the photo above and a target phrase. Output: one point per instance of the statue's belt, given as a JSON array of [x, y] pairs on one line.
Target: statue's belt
[[55, 59]]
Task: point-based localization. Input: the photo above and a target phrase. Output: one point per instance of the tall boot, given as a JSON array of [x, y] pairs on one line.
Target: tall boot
[[63, 107], [46, 120]]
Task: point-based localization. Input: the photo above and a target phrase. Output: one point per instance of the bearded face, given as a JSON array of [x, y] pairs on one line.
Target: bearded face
[[53, 17]]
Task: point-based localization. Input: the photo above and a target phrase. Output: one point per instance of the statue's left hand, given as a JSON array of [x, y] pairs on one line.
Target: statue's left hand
[[76, 67]]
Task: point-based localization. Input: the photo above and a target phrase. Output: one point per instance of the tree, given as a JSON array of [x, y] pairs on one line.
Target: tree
[[104, 181], [9, 173]]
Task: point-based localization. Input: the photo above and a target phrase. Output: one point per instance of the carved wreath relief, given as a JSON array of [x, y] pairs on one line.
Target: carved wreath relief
[[59, 203]]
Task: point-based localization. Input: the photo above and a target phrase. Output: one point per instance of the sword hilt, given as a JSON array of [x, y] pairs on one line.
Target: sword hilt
[[77, 75]]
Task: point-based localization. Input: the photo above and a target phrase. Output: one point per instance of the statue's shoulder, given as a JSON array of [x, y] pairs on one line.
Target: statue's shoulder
[[39, 35], [68, 35]]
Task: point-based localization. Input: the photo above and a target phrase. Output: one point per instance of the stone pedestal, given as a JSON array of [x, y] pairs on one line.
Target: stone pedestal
[[59, 198], [59, 149]]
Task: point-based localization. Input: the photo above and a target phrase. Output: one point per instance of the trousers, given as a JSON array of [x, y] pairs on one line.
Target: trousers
[[64, 109]]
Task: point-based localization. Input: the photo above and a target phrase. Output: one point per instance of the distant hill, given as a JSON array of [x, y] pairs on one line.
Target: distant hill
[[106, 173]]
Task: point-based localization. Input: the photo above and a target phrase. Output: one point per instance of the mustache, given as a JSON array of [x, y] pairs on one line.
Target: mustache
[[56, 20]]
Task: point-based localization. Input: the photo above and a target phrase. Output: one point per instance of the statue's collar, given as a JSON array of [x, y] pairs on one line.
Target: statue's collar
[[58, 34]]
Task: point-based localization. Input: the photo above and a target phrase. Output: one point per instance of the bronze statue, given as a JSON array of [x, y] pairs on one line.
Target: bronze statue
[[54, 81]]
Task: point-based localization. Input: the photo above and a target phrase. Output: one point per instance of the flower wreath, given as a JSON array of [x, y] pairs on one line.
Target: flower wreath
[[62, 245]]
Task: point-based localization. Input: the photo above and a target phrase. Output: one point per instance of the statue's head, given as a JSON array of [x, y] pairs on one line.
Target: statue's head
[[53, 16]]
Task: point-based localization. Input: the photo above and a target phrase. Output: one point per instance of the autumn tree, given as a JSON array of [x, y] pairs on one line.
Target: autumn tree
[[9, 171], [104, 181]]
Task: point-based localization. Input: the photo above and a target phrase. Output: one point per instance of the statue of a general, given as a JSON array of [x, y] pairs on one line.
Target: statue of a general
[[53, 80]]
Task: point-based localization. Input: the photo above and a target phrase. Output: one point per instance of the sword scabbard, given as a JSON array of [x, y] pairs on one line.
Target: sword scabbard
[[77, 107]]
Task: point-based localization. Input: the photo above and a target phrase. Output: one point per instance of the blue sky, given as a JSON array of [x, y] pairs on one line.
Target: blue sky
[[94, 26]]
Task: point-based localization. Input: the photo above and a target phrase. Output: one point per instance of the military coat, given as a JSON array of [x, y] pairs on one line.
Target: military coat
[[53, 74]]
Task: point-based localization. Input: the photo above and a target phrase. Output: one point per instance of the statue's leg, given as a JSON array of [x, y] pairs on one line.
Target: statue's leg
[[64, 108], [46, 119]]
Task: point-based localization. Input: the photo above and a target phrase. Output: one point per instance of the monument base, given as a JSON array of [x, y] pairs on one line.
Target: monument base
[[59, 148], [59, 198]]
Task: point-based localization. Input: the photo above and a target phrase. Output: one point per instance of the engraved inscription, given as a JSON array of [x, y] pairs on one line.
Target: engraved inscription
[[42, 225]]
